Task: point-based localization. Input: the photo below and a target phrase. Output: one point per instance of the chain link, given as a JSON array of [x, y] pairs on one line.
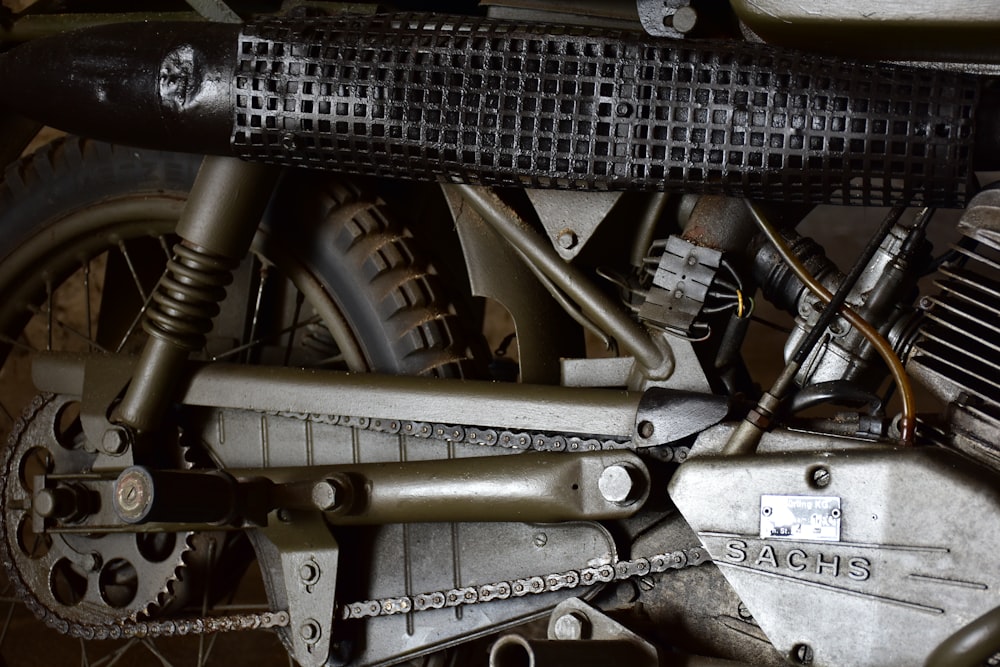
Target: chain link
[[485, 436], [536, 585], [390, 606]]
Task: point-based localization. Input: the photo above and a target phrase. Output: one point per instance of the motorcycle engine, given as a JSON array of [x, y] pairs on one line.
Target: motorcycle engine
[[846, 552], [956, 355]]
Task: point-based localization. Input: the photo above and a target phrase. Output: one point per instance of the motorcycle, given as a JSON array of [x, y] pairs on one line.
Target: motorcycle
[[276, 352]]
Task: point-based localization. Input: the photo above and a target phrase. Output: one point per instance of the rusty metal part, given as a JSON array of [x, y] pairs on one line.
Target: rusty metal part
[[81, 578], [477, 100]]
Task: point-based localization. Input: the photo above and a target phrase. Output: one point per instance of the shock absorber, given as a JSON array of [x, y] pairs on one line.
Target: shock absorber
[[218, 223]]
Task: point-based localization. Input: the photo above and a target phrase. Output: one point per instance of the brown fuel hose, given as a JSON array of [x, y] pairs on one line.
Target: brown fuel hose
[[877, 341]]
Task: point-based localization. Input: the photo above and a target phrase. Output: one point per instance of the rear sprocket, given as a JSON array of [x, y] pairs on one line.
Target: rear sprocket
[[74, 579]]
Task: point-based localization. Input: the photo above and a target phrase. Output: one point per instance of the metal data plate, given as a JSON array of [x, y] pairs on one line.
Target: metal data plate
[[800, 518]]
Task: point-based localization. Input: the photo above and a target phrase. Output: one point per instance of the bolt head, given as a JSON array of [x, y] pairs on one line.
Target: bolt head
[[567, 239], [619, 484], [570, 627], [115, 441], [44, 503], [685, 19], [310, 631], [646, 429], [324, 495], [309, 572]]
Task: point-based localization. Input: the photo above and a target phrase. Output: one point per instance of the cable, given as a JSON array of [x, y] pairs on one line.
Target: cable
[[872, 335]]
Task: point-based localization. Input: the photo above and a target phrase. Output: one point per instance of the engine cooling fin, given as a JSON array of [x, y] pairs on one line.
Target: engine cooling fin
[[483, 101], [957, 353]]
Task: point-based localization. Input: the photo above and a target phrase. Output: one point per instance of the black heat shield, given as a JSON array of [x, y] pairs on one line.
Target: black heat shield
[[476, 100]]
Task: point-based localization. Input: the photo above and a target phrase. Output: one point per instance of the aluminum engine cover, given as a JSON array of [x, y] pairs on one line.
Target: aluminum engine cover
[[896, 552]]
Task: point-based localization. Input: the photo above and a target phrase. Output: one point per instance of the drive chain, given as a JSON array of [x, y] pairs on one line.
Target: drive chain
[[535, 585], [501, 590], [485, 436]]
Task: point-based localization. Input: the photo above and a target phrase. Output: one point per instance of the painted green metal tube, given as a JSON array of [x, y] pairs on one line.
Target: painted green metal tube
[[527, 487], [971, 646]]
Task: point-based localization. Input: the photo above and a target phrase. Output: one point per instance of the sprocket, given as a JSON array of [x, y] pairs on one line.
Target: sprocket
[[71, 578]]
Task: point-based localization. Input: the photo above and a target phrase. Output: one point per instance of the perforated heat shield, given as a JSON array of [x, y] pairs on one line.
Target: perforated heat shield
[[481, 101]]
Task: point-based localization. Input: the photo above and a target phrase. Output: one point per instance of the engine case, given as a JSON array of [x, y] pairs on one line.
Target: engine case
[[847, 553]]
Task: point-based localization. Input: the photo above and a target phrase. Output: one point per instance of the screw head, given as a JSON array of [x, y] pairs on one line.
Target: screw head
[[567, 239], [133, 494], [570, 627], [802, 654], [820, 477], [541, 539]]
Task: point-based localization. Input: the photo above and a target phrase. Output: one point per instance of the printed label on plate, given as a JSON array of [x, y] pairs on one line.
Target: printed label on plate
[[800, 518]]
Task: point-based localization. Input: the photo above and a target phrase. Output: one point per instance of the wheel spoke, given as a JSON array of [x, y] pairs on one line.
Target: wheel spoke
[[261, 284], [135, 323], [148, 643], [253, 343], [204, 599], [48, 311], [86, 301], [131, 268], [54, 321], [113, 657], [9, 416], [84, 660], [299, 300], [6, 623]]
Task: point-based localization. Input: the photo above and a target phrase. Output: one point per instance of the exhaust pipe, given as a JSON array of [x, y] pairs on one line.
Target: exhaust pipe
[[475, 100]]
